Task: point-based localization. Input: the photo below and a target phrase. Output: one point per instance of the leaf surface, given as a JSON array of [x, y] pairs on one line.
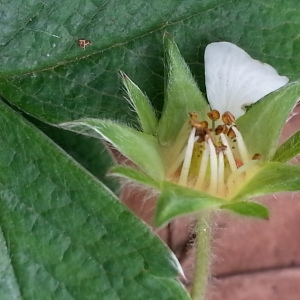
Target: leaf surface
[[176, 200], [182, 95], [65, 235], [141, 105], [142, 149], [288, 149], [248, 208], [274, 177], [135, 175], [45, 73]]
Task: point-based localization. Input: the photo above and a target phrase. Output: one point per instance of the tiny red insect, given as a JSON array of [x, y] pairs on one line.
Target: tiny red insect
[[83, 43]]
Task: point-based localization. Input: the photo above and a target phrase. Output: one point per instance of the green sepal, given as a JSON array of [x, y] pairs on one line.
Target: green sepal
[[135, 175], [262, 124], [273, 177], [182, 94], [288, 149], [248, 208], [141, 104], [176, 200], [141, 148]]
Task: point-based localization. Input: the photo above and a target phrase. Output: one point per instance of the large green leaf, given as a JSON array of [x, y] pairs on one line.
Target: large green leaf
[[45, 72], [65, 236], [90, 152], [8, 284]]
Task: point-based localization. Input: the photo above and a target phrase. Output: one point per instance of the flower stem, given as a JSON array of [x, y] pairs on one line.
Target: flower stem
[[202, 268]]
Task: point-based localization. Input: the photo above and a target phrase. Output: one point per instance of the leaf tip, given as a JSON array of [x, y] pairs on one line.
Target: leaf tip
[[123, 75], [166, 35]]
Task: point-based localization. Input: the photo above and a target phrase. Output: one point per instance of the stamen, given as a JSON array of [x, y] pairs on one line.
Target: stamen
[[193, 115], [212, 145], [202, 168], [241, 144], [214, 115], [187, 159], [228, 153], [220, 129], [256, 156], [228, 118], [213, 168], [231, 134]]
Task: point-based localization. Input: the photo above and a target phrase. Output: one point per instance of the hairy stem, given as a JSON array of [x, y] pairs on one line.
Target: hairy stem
[[202, 268]]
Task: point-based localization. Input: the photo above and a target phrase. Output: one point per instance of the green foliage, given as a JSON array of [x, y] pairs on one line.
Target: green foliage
[[182, 94], [137, 176], [72, 83], [176, 200], [249, 209], [141, 105], [59, 235], [273, 177], [139, 147]]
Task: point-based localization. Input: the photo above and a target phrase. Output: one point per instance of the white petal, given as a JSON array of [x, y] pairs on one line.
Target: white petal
[[233, 79]]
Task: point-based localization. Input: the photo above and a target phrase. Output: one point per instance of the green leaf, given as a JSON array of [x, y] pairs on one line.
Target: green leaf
[[176, 200], [60, 236], [262, 124], [249, 209], [140, 148], [273, 177], [9, 287], [182, 94], [288, 149], [45, 73], [141, 105], [134, 175], [91, 153]]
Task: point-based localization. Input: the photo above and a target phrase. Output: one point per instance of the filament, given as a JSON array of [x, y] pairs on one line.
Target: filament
[[213, 167], [187, 159], [242, 146], [228, 153], [202, 168]]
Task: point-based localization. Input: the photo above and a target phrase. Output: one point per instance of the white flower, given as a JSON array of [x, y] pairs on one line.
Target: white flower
[[215, 145], [234, 79]]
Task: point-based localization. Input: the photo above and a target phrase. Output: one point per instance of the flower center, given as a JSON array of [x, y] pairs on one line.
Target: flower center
[[214, 158]]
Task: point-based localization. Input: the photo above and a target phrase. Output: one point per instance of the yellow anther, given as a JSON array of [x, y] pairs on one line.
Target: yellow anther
[[256, 156], [231, 134], [214, 115], [228, 118], [221, 129], [193, 115]]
